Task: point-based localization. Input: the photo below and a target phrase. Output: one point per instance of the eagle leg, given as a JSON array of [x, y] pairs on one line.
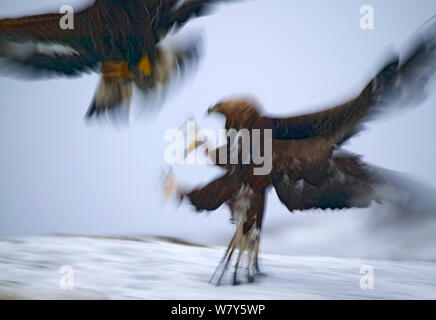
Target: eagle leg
[[244, 242], [229, 257], [251, 252], [114, 90], [170, 187], [235, 275], [257, 272], [228, 254], [243, 246]]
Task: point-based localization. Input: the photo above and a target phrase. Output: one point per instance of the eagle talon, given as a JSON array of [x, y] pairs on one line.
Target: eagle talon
[[259, 274], [250, 278], [170, 188], [236, 282]]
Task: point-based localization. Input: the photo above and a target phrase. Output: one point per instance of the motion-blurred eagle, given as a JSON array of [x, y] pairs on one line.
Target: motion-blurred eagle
[[309, 168], [119, 38]]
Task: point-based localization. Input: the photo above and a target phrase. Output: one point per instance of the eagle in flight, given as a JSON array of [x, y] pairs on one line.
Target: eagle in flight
[[309, 168], [119, 38]]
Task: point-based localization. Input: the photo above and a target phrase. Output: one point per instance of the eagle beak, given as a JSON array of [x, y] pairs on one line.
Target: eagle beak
[[214, 109]]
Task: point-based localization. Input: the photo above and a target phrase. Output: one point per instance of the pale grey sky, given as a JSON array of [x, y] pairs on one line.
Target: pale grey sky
[[58, 174]]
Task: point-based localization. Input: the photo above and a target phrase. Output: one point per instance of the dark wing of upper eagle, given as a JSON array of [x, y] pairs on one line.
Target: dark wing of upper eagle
[[38, 44], [398, 84], [182, 11]]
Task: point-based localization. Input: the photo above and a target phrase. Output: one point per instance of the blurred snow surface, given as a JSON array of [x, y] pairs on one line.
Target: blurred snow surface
[[150, 268]]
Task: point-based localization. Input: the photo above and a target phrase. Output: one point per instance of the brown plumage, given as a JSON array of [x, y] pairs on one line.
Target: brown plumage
[[309, 169], [119, 38]]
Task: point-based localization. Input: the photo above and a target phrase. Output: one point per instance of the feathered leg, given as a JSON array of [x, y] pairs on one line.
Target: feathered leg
[[257, 272], [114, 90], [224, 264], [250, 255], [246, 241], [243, 244]]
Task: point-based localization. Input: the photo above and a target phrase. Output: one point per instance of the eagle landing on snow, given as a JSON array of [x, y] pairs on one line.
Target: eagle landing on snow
[[310, 169], [121, 39]]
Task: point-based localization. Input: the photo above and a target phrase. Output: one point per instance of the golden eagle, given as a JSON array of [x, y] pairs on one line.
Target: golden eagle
[[309, 168], [119, 38]]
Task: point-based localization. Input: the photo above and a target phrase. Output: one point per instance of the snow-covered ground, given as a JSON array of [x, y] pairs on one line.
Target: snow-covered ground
[[155, 269]]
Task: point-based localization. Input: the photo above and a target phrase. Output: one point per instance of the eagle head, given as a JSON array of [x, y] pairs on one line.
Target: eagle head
[[239, 112]]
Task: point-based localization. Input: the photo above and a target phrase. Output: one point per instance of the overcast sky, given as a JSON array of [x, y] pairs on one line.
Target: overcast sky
[[58, 174]]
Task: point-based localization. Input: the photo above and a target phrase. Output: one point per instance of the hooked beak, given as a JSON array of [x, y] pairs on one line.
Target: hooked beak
[[214, 109]]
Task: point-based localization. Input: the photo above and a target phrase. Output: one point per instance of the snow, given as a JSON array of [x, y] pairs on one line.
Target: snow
[[149, 268]]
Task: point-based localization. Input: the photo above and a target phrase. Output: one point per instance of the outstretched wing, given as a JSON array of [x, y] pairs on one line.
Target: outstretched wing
[[216, 193], [40, 46], [178, 12], [350, 183], [397, 84]]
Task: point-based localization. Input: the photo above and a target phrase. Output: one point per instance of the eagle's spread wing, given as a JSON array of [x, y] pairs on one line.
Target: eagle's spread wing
[[398, 84], [38, 44], [216, 193], [181, 11], [350, 183]]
